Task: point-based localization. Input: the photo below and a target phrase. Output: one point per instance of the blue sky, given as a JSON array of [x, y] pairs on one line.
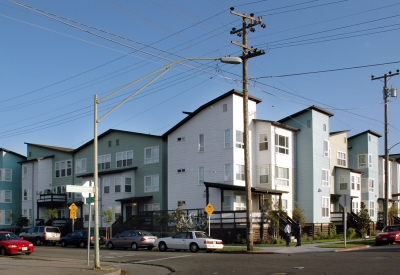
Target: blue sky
[[56, 55]]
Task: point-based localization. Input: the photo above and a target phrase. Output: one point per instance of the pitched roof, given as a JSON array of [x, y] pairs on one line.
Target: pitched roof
[[63, 149], [365, 132], [338, 132], [11, 152], [204, 106], [278, 124], [313, 107]]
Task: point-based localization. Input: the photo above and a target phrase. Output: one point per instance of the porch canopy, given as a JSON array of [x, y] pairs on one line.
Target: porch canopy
[[261, 191]]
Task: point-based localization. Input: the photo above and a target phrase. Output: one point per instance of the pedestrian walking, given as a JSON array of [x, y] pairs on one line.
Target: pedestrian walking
[[298, 233], [287, 231]]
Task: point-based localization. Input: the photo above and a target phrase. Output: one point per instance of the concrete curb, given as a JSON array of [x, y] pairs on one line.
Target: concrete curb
[[353, 248]]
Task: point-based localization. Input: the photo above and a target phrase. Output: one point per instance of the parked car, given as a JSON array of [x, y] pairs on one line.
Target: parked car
[[189, 240], [79, 238], [42, 234], [11, 244], [390, 234], [133, 239]]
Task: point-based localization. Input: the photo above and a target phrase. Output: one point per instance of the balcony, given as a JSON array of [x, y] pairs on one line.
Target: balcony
[[52, 199]]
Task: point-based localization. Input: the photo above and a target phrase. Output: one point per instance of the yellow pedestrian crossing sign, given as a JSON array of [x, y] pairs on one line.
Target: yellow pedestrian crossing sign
[[209, 209]]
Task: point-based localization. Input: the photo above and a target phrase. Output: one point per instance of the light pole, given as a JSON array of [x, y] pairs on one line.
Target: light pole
[[160, 72], [393, 93]]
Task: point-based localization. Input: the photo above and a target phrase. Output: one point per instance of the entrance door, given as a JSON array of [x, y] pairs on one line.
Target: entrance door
[[128, 212]]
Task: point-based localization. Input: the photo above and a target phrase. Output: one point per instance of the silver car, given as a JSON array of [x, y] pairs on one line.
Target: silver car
[[133, 239]]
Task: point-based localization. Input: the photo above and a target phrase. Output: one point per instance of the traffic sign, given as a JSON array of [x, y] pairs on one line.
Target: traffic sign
[[72, 211], [209, 209], [73, 207], [89, 200], [344, 200], [79, 189]]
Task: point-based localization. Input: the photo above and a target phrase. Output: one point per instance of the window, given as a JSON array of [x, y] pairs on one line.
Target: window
[[201, 143], [104, 162], [128, 185], [369, 160], [362, 161], [201, 175], [151, 154], [325, 178], [239, 139], [124, 159], [326, 148], [281, 176], [151, 183], [24, 171], [264, 172], [227, 203], [343, 182], [240, 202], [263, 142], [370, 185], [117, 185], [284, 204], [239, 172], [61, 213], [227, 139], [325, 207], [228, 172], [324, 127], [358, 183], [281, 144], [354, 207], [63, 168], [345, 140], [224, 107], [106, 186], [341, 158], [5, 196], [371, 209], [80, 166], [5, 174], [181, 138], [109, 143], [59, 189], [27, 194], [152, 207], [353, 182], [181, 170], [117, 142], [5, 217]]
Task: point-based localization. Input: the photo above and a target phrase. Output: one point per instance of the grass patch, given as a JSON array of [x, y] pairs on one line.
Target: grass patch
[[349, 244], [235, 249]]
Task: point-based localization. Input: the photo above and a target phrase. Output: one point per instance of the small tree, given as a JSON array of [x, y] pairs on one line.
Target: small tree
[[22, 222], [298, 214], [178, 217], [51, 214], [107, 216], [363, 220], [393, 212]]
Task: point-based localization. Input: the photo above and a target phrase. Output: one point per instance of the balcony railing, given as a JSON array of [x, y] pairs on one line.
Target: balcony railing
[[52, 198]]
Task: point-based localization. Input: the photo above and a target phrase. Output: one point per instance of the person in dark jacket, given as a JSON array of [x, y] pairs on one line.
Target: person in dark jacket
[[297, 231]]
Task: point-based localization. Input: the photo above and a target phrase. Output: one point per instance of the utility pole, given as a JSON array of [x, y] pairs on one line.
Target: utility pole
[[248, 22], [393, 93]]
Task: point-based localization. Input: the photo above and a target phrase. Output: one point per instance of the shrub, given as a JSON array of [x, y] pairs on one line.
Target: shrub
[[322, 236], [332, 231], [278, 241], [240, 240], [351, 233]]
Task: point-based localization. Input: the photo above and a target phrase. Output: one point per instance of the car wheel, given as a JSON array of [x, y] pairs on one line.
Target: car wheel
[[194, 247], [82, 245], [3, 251], [110, 245], [63, 244], [38, 242], [134, 246], [162, 247], [150, 248]]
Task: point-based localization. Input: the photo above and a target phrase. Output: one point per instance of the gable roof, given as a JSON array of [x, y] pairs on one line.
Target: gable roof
[[338, 132], [278, 124], [62, 149], [365, 132], [11, 152], [313, 107], [204, 106]]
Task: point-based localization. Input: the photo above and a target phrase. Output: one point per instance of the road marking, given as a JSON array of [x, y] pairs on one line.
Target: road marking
[[162, 259]]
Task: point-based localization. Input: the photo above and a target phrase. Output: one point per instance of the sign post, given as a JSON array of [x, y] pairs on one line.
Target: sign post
[[209, 209], [344, 201]]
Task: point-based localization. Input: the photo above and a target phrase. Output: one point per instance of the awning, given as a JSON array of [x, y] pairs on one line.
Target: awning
[[259, 190]]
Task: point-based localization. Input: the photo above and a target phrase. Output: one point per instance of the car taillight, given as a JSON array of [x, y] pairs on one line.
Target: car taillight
[[92, 238], [143, 239], [44, 235]]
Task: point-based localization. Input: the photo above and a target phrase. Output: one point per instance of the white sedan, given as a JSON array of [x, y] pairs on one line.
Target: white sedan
[[189, 240]]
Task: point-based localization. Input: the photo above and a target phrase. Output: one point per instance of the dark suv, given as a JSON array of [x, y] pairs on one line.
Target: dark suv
[[79, 238], [42, 234]]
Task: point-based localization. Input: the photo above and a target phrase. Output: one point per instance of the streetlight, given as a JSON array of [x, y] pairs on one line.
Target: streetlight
[[161, 71]]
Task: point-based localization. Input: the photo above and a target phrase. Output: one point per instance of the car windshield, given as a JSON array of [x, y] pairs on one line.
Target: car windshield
[[8, 236], [200, 234], [144, 233], [53, 229]]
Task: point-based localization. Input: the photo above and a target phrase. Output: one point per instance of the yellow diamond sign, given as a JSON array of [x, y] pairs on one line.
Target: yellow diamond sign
[[209, 209]]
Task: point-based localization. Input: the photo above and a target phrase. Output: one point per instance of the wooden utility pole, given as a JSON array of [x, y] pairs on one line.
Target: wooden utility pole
[[385, 98], [248, 22]]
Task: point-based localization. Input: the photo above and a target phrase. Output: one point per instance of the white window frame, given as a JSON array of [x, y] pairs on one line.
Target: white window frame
[[227, 203], [325, 211], [6, 196], [128, 185], [124, 159], [282, 175], [152, 154], [355, 207], [117, 185], [240, 202], [371, 208], [325, 178], [227, 172], [343, 182], [5, 174], [104, 162], [326, 148], [285, 204], [63, 168], [263, 176], [369, 160], [371, 183], [362, 160], [341, 158], [239, 141], [201, 176], [227, 138], [151, 183], [152, 207], [358, 183], [282, 146], [353, 182], [263, 142], [224, 107], [5, 217], [106, 185], [24, 171], [80, 166], [200, 143], [239, 172], [28, 192]]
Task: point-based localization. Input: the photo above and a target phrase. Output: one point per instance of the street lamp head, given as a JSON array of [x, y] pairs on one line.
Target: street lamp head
[[231, 60]]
